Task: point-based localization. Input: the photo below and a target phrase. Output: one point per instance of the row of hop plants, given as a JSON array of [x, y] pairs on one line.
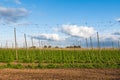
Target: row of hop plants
[[107, 57]]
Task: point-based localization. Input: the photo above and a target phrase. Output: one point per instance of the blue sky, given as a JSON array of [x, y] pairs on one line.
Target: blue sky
[[60, 20]]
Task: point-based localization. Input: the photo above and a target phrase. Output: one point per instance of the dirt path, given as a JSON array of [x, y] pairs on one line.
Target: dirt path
[[59, 74]]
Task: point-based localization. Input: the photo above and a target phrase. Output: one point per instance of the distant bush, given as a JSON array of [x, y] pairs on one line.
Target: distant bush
[[33, 47], [73, 47]]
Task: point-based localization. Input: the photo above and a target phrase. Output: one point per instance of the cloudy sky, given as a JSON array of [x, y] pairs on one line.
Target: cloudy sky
[[60, 22]]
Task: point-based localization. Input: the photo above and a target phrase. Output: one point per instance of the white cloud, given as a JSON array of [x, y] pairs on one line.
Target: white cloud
[[12, 14], [78, 31], [116, 33], [17, 1], [13, 1], [53, 37], [118, 19], [109, 37]]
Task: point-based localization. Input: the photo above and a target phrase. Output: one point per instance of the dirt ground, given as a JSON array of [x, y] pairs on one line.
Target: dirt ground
[[59, 74]]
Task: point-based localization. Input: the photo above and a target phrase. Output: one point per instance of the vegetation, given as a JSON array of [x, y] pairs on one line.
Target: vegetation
[[60, 58]]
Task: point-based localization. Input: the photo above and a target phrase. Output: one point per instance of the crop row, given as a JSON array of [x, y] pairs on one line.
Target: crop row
[[108, 57]]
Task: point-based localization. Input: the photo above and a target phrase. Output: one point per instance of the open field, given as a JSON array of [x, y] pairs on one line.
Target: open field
[[60, 74]]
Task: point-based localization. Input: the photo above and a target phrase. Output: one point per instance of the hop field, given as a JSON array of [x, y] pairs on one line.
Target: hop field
[[60, 58]]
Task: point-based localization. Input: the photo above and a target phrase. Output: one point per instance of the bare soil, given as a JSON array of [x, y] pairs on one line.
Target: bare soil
[[59, 74]]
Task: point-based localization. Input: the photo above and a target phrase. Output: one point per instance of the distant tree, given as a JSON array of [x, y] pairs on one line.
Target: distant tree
[[73, 46], [67, 47], [56, 47], [49, 46], [45, 46], [33, 47], [79, 46]]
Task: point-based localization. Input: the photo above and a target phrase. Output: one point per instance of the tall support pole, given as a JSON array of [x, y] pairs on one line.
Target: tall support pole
[[118, 44], [42, 44], [98, 40], [26, 45], [112, 45], [91, 43], [39, 43], [80, 44], [32, 41], [86, 43], [25, 41], [15, 43]]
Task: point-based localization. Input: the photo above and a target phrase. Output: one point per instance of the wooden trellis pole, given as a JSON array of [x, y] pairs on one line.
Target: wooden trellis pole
[[91, 43], [15, 43], [118, 44], [98, 40], [25, 41], [112, 45], [32, 41], [86, 43]]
